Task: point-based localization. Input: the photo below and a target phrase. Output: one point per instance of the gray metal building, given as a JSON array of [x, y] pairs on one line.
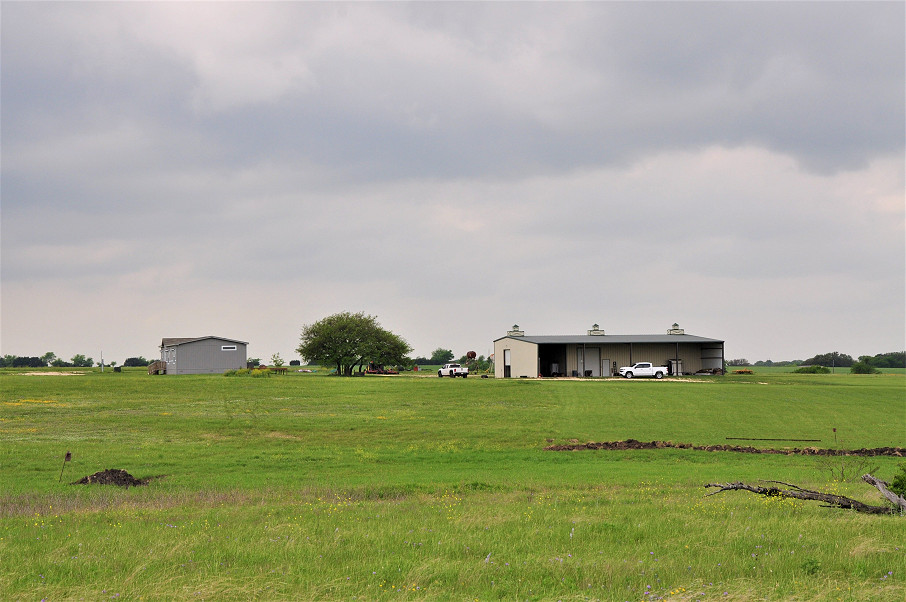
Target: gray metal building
[[203, 355], [598, 354]]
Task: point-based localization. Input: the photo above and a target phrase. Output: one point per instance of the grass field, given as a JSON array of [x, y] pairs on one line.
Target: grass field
[[383, 488]]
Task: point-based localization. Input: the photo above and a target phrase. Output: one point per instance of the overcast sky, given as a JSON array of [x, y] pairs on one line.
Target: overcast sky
[[241, 170]]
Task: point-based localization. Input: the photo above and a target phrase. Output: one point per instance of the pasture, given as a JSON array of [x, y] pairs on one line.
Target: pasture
[[404, 488]]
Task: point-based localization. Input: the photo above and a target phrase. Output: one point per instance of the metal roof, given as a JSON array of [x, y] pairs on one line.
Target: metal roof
[[610, 339], [173, 342]]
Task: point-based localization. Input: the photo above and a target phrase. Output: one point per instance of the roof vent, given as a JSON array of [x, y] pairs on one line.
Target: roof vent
[[676, 329], [515, 332], [595, 330]]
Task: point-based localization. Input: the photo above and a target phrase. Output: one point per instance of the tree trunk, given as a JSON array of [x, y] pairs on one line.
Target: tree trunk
[[832, 500]]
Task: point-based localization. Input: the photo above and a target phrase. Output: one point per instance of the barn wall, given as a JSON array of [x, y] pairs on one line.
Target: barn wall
[[207, 356]]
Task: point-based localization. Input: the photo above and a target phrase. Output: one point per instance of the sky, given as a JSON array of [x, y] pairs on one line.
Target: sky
[[244, 169]]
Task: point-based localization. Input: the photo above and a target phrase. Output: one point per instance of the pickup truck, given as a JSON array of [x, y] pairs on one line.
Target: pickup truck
[[453, 370], [643, 369]]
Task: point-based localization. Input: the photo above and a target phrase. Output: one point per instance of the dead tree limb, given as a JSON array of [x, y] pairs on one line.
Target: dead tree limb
[[896, 500], [796, 492]]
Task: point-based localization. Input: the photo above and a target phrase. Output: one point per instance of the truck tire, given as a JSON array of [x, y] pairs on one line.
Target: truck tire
[[659, 375], [440, 374], [465, 375], [629, 375]]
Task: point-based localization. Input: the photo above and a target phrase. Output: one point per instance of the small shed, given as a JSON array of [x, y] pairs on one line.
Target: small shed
[[203, 355]]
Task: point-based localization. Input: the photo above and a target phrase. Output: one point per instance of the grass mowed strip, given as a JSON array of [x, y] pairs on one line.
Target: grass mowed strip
[[310, 487]]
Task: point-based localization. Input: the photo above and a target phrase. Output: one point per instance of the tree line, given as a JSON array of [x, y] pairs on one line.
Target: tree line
[[50, 359], [894, 359]]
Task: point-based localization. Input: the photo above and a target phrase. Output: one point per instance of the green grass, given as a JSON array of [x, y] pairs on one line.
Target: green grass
[[316, 487]]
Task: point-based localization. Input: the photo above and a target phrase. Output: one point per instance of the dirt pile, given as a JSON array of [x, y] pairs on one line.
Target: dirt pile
[[745, 449], [112, 476]]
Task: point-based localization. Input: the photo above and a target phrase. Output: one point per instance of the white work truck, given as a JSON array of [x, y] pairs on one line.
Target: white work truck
[[453, 370], [643, 369]]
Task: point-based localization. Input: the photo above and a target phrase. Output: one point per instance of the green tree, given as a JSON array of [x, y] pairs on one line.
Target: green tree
[[441, 356], [80, 361], [863, 368], [833, 359], [277, 360], [49, 358], [135, 361], [348, 340]]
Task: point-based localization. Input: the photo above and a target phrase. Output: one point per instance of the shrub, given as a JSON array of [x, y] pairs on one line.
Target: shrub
[[863, 368], [812, 370], [898, 485], [240, 372]]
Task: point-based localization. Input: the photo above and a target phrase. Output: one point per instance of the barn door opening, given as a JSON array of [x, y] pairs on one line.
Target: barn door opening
[[507, 371]]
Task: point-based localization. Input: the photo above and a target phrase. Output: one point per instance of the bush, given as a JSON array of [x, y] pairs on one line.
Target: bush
[[812, 370], [132, 362], [863, 368], [898, 485]]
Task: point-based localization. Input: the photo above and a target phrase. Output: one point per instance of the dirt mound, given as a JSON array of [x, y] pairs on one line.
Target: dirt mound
[[745, 449], [112, 476]]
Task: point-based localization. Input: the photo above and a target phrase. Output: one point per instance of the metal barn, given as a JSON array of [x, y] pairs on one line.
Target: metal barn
[[518, 355], [203, 355]]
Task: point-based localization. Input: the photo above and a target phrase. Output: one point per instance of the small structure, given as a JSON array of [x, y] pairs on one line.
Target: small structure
[[202, 355], [600, 354]]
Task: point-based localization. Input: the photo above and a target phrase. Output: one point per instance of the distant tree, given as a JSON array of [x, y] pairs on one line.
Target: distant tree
[[80, 361], [863, 368], [895, 359], [277, 360], [830, 359], [7, 361], [58, 363], [134, 362], [28, 362], [348, 340], [738, 362], [48, 358], [441, 356]]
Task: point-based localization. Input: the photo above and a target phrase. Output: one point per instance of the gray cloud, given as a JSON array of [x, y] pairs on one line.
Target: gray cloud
[[516, 162]]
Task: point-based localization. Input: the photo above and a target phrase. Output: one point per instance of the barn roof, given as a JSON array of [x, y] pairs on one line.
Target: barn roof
[[610, 339], [175, 341]]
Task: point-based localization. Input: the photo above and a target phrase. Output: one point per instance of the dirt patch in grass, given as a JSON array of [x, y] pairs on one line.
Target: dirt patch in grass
[[745, 449], [53, 374], [112, 476]]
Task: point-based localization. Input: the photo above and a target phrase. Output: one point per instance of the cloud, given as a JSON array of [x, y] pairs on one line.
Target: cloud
[[534, 163]]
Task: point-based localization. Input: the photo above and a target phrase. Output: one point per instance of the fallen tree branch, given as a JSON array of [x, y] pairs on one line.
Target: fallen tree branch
[[832, 500], [896, 500]]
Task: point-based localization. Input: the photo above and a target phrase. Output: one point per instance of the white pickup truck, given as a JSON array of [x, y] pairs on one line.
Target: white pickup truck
[[453, 370], [643, 369]]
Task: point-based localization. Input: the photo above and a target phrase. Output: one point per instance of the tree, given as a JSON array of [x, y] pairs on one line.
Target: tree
[[832, 359], [49, 358], [863, 368], [441, 356], [739, 362], [347, 340], [135, 362], [277, 360], [80, 361]]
